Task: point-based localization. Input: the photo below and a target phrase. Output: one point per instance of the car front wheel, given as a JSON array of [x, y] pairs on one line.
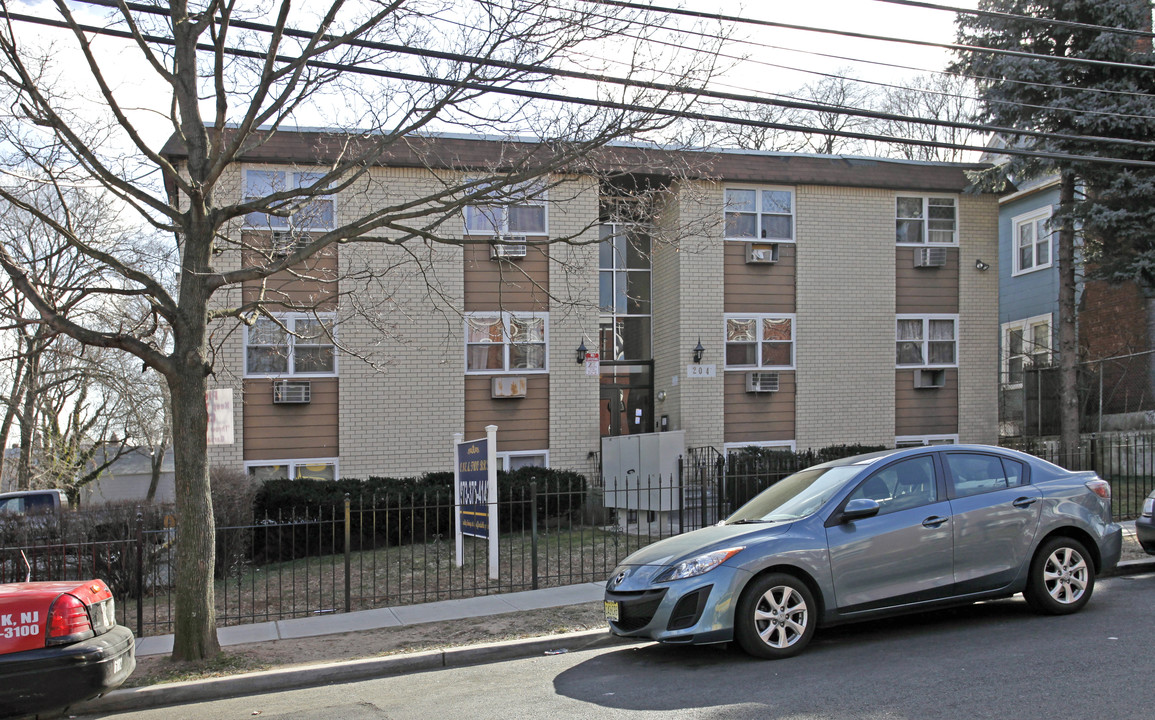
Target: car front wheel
[[1062, 577], [776, 617]]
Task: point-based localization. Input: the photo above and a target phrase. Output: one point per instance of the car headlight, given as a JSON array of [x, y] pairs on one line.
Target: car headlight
[[1148, 507], [696, 566]]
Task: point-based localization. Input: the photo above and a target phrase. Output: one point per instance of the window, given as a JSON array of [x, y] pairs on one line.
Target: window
[[731, 448], [903, 441], [1026, 344], [505, 342], [926, 341], [292, 344], [1032, 241], [760, 214], [302, 213], [510, 461], [520, 210], [625, 292], [973, 474], [922, 220], [903, 485], [301, 469], [760, 341]]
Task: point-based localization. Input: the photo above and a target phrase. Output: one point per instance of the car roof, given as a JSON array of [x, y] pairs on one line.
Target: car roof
[[872, 458]]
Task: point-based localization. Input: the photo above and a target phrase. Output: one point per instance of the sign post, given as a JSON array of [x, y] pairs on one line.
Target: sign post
[[475, 494]]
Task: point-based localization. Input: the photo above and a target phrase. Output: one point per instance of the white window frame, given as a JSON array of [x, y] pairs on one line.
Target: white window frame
[[292, 463], [924, 440], [289, 320], [925, 219], [926, 363], [1025, 326], [506, 317], [504, 457], [532, 196], [730, 447], [759, 211], [1038, 220], [276, 223], [759, 317]]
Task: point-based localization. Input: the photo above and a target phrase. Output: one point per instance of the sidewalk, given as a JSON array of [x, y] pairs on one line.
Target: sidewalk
[[350, 671]]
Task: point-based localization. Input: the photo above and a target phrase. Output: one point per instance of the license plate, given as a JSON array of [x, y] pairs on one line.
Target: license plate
[[612, 610]]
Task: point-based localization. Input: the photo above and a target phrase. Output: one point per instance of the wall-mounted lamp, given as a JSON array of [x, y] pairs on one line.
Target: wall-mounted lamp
[[698, 350], [981, 266], [661, 396], [581, 352]]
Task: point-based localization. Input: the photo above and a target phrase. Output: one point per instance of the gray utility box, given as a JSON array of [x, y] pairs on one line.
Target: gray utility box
[[640, 472]]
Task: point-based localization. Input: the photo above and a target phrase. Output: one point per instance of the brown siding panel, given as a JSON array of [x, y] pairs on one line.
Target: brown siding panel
[[927, 411], [515, 285], [290, 431], [759, 417], [925, 290], [311, 284], [759, 288], [522, 423]]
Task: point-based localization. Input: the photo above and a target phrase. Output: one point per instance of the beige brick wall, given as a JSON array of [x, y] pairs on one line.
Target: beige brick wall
[[844, 345], [978, 319], [226, 341]]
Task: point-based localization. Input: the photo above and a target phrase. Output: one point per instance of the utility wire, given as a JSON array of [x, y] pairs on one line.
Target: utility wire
[[865, 36], [1023, 18], [593, 103], [626, 82]]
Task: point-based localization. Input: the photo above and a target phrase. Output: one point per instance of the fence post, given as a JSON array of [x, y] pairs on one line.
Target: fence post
[[139, 573], [533, 528], [348, 523]]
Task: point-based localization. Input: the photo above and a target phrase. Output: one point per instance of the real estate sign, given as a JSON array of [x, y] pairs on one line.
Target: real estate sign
[[475, 494]]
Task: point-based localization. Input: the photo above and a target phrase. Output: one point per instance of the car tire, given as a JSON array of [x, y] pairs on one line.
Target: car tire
[[776, 617], [1062, 577]]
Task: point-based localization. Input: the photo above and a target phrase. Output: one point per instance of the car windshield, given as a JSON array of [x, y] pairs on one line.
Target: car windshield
[[795, 497]]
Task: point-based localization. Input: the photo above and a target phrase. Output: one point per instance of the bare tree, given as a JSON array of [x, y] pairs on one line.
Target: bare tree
[[234, 73], [934, 96]]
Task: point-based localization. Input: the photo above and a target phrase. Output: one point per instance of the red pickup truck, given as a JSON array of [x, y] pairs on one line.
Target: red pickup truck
[[59, 644]]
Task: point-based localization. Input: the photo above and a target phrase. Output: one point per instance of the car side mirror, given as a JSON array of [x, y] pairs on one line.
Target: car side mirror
[[858, 509]]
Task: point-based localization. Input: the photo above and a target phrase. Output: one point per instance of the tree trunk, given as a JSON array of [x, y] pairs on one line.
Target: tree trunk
[[195, 628], [28, 422], [156, 464], [1068, 328]]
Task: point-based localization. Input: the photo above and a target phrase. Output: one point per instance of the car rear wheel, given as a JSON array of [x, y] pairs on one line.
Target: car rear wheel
[[1062, 577], [776, 617]]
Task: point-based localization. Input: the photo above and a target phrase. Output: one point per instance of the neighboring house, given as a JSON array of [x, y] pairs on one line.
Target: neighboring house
[[764, 299], [128, 477], [1114, 326]]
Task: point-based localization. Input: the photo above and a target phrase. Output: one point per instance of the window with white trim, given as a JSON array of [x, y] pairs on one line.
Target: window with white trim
[[734, 447], [510, 461], [520, 210], [1026, 344], [926, 220], [624, 273], [291, 344], [760, 341], [903, 441], [926, 341], [296, 469], [501, 342], [759, 213], [1032, 241], [301, 213]]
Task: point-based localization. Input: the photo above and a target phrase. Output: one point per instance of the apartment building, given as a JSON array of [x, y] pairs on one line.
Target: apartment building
[[749, 298]]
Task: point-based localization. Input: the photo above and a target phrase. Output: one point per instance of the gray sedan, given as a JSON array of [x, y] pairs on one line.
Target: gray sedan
[[873, 535]]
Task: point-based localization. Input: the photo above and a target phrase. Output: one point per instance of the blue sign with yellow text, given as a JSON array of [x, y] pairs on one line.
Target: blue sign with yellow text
[[473, 477]]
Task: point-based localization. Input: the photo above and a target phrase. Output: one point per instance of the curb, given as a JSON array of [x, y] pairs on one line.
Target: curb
[[154, 696]]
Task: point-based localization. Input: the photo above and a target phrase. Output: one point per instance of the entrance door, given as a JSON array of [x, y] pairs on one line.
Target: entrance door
[[627, 399]]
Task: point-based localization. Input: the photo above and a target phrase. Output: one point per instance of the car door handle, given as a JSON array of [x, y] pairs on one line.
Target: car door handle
[[934, 521], [1024, 502]]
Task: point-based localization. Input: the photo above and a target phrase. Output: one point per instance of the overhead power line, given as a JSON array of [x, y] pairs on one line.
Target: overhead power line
[[588, 102], [865, 36], [1023, 18], [649, 85]]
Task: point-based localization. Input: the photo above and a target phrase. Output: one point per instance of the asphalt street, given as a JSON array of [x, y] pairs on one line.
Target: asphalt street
[[991, 660]]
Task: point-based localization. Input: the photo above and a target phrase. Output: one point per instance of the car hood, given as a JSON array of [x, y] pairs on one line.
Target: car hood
[[716, 537]]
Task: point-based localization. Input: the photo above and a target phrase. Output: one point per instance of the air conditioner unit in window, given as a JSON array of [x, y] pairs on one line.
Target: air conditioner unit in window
[[292, 392], [929, 257], [508, 246], [929, 379], [761, 382], [759, 253], [508, 387], [286, 242]]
